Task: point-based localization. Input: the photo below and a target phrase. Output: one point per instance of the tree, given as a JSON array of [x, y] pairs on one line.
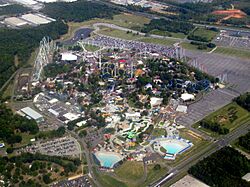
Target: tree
[[157, 167], [9, 150], [46, 179]]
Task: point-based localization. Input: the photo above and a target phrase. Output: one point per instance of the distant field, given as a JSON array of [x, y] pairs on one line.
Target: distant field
[[189, 46], [205, 33], [91, 48], [130, 171], [225, 118], [241, 53], [118, 34], [169, 34], [124, 20]]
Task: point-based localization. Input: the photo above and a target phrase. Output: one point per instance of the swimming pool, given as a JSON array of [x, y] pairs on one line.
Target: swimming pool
[[108, 159], [174, 146]]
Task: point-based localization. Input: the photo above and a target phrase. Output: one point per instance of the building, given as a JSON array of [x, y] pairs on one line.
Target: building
[[189, 181], [32, 114], [36, 19], [14, 21], [246, 177]]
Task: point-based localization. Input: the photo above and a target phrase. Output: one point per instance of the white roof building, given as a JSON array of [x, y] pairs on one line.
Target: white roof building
[[68, 57], [246, 177], [155, 101], [15, 21], [181, 108], [189, 181], [35, 19], [30, 113], [187, 97], [70, 116]]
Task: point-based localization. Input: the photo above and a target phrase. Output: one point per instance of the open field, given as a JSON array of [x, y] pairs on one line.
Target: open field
[[91, 48], [130, 171], [123, 20], [108, 181], [153, 174], [169, 34], [118, 33], [205, 33], [231, 116], [241, 53], [189, 46]]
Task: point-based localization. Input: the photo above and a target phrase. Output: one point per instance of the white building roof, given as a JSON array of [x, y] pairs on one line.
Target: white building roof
[[155, 101], [181, 108], [15, 21], [31, 113], [68, 57], [26, 2], [186, 97], [53, 101], [246, 177], [35, 19], [71, 116]]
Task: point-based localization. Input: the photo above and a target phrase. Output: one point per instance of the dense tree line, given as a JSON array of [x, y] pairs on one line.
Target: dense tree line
[[168, 25], [14, 169], [223, 168], [13, 9], [244, 101], [11, 123], [21, 43], [244, 141], [78, 11], [213, 126]]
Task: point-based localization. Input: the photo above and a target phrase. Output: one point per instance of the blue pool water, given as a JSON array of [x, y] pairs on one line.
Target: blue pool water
[[172, 147], [108, 160]]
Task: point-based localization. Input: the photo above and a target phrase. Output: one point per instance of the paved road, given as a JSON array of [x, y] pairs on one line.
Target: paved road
[[187, 163]]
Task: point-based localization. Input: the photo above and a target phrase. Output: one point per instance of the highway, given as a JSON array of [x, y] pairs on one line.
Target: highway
[[213, 147]]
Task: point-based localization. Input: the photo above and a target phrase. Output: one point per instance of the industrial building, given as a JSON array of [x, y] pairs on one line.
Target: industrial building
[[14, 21], [31, 114], [35, 19]]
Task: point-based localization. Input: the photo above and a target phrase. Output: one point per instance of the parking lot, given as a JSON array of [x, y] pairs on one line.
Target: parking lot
[[79, 182], [232, 38], [66, 146]]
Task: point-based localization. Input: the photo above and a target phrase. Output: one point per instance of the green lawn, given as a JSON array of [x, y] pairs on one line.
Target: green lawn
[[241, 53], [169, 34], [108, 181], [158, 41], [130, 171], [130, 20], [225, 118], [153, 175], [118, 33], [159, 132], [189, 46], [203, 32], [91, 48]]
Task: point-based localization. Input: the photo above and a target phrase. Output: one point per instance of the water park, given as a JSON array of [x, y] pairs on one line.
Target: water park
[[107, 160], [170, 147]]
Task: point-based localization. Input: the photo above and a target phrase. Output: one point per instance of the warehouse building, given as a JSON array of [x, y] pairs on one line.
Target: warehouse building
[[14, 21], [36, 19], [31, 114]]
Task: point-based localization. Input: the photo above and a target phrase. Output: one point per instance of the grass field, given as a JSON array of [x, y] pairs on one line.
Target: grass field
[[118, 34], [153, 175], [130, 171], [124, 20], [91, 48], [108, 181], [202, 32], [169, 34], [158, 41], [231, 116], [189, 46], [159, 132], [240, 53]]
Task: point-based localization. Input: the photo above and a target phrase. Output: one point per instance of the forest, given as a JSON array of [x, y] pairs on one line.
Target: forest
[[16, 46], [13, 9], [244, 141], [223, 168], [244, 101], [12, 125], [78, 11], [167, 25]]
